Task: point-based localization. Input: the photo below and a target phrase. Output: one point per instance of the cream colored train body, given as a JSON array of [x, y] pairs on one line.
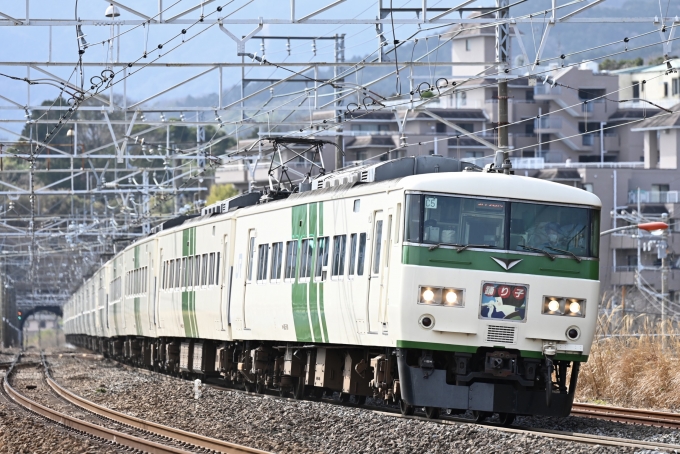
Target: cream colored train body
[[433, 290]]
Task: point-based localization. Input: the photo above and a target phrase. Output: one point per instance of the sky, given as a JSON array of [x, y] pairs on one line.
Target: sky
[[32, 43]]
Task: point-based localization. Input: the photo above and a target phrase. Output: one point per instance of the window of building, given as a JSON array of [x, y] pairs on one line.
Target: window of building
[[441, 128], [339, 255], [636, 89], [277, 257], [529, 95], [291, 260], [321, 259]]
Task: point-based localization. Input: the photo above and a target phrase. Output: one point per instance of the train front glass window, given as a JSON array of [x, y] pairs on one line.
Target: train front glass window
[[498, 224], [455, 220], [556, 229]]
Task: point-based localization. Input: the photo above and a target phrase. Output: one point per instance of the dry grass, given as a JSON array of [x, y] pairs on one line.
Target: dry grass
[[632, 365]]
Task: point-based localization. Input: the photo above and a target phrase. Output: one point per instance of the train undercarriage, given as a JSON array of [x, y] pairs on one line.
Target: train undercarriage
[[488, 381]]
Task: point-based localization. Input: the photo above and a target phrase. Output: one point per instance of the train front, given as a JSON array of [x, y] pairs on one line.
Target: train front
[[499, 295]]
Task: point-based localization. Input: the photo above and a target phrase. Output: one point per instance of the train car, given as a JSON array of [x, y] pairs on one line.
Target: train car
[[421, 281]]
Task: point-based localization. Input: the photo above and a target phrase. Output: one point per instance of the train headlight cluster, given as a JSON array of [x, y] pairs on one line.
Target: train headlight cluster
[[569, 307], [441, 296]]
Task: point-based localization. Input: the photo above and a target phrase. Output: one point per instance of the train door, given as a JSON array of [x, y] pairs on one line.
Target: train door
[[151, 295], [385, 273], [225, 285], [250, 265], [374, 273]]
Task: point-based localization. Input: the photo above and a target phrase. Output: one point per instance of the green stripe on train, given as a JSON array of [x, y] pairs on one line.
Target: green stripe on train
[[482, 261], [189, 297], [309, 315]]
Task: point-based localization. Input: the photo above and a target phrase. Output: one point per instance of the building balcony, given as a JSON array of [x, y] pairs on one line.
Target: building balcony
[[548, 124], [546, 92], [661, 197]]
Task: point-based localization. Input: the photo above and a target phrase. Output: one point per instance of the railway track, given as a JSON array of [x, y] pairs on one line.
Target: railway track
[[628, 415], [187, 441], [589, 439]]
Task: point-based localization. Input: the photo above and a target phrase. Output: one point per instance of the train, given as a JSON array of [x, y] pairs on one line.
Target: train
[[427, 282]]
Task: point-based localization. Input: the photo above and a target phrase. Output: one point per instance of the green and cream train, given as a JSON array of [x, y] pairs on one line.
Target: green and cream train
[[425, 281]]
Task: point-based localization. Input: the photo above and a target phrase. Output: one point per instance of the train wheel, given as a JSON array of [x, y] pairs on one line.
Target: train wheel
[[361, 400], [406, 409], [480, 416], [260, 388], [506, 419], [249, 387], [345, 398], [432, 412]]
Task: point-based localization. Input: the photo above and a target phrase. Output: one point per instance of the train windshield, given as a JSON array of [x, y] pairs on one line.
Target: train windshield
[[498, 224]]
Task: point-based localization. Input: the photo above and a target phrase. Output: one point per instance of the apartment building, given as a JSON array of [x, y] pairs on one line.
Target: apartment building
[[653, 83]]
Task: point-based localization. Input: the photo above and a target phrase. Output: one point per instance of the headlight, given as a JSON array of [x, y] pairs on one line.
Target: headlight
[[451, 297], [570, 307], [438, 296]]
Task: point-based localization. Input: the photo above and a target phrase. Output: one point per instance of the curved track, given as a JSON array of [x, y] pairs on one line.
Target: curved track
[[628, 415], [393, 412], [120, 438]]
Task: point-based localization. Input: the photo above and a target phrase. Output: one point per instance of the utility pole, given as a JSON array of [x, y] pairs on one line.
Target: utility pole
[[502, 57], [339, 57], [663, 255]]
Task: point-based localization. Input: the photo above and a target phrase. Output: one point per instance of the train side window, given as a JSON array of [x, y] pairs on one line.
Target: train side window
[[190, 271], [171, 273], [163, 276], [306, 254], [204, 275], [197, 270], [217, 270], [178, 273], [362, 254], [211, 272], [183, 280], [321, 271], [251, 256], [277, 256], [352, 254], [412, 218], [291, 260], [262, 259], [339, 255], [377, 246]]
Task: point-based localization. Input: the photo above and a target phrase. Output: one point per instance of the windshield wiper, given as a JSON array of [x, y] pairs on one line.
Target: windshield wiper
[[460, 247], [566, 252], [543, 251]]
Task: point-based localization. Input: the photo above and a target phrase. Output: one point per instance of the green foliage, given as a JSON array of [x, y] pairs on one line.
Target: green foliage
[[220, 192], [611, 65]]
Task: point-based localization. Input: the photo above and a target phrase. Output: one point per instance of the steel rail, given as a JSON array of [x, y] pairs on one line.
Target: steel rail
[[627, 415], [87, 428], [157, 429], [583, 438]]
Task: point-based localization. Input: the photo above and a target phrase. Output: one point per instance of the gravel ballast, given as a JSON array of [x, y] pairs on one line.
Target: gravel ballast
[[280, 425]]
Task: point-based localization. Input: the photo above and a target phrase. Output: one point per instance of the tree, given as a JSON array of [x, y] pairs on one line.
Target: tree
[[219, 192]]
